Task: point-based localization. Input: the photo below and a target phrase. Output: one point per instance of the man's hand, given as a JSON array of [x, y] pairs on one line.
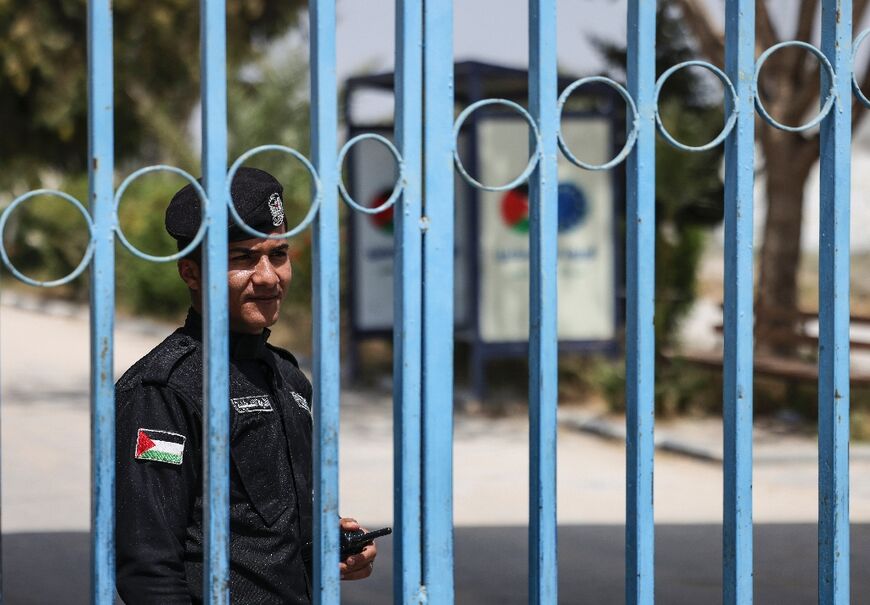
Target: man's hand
[[357, 567]]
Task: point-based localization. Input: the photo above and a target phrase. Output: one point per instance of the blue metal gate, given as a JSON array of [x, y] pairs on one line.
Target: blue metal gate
[[426, 132]]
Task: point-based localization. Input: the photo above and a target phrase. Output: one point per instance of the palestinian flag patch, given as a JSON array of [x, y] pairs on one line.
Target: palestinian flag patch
[[160, 446]]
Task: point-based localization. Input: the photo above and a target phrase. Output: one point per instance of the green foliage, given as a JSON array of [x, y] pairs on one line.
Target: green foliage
[[680, 387], [46, 238], [144, 287], [689, 201], [600, 375], [689, 190], [43, 77]]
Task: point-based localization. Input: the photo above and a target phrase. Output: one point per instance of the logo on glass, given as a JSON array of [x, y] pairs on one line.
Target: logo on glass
[[573, 208], [383, 220]]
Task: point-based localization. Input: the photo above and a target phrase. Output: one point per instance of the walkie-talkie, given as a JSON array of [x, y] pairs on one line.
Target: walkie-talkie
[[353, 542]]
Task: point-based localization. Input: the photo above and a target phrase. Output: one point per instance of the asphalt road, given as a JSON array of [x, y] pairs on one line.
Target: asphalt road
[[49, 568]]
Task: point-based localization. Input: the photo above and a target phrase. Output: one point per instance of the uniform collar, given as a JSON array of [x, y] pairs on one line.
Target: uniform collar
[[242, 346]]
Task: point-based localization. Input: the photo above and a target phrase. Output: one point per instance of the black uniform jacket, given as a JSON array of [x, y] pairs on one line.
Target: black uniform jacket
[[159, 506]]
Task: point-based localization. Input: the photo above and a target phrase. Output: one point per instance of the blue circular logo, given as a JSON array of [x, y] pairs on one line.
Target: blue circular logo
[[573, 207]]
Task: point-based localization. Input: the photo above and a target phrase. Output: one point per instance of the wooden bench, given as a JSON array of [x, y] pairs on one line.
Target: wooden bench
[[800, 328], [797, 331]]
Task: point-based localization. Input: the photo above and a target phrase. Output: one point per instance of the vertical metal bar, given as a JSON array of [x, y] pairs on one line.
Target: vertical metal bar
[[543, 338], [407, 334], [438, 258], [471, 149], [737, 392], [835, 150], [2, 592], [216, 420], [324, 139], [101, 145], [640, 291]]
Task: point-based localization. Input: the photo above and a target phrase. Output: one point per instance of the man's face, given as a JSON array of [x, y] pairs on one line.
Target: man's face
[[258, 274]]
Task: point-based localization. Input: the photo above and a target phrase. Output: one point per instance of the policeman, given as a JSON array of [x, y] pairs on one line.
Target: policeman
[[159, 437]]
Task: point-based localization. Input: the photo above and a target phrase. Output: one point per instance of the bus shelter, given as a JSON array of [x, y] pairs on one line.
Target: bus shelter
[[491, 254]]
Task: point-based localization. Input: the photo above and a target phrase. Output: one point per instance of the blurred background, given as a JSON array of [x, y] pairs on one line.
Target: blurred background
[[43, 105]]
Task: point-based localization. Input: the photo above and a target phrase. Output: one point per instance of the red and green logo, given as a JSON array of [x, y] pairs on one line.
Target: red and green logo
[[573, 208], [515, 209], [383, 220]]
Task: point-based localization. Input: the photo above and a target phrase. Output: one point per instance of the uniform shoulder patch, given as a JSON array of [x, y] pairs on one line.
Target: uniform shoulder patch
[[159, 446], [301, 402], [254, 403]]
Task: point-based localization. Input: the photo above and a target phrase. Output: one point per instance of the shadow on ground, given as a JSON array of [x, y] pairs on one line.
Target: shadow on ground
[[47, 568]]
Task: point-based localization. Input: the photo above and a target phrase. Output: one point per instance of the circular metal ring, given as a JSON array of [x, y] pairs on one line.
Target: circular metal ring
[[200, 233], [856, 88], [533, 158], [825, 65], [630, 139], [315, 202], [86, 258], [397, 188], [729, 123]]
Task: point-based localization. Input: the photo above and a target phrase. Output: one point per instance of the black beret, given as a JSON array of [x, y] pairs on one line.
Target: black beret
[[256, 196]]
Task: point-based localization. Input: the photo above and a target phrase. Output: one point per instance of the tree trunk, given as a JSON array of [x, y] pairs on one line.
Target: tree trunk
[[789, 158]]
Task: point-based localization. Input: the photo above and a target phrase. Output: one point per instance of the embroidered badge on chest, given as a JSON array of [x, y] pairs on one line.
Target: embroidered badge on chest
[[300, 401], [159, 446], [254, 403]]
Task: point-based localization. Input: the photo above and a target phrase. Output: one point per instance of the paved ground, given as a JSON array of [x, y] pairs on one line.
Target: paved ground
[[45, 490], [48, 568]]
